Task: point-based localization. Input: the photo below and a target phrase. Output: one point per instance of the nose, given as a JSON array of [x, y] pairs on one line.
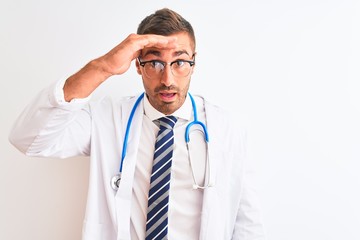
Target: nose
[[167, 77]]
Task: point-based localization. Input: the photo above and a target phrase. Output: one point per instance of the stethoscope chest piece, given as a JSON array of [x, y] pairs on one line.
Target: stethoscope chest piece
[[115, 181]]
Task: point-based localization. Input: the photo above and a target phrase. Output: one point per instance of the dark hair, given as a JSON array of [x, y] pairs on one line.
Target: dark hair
[[165, 22]]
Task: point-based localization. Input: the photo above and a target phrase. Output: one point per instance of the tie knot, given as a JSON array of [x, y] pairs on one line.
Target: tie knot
[[167, 122]]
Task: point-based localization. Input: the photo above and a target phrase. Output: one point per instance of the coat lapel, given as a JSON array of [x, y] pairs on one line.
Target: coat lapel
[[124, 194]]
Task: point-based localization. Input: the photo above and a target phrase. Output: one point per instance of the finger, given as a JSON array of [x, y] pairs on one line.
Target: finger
[[159, 41]]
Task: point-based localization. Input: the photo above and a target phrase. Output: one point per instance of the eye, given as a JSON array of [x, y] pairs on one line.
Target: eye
[[179, 63], [156, 64]]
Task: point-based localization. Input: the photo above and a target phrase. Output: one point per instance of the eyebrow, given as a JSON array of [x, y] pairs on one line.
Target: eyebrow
[[158, 54]]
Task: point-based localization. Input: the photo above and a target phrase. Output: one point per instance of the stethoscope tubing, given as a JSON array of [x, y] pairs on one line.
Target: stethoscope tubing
[[123, 154], [196, 121], [187, 130], [115, 181]]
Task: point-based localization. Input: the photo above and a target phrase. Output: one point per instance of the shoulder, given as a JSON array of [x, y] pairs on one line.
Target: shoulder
[[215, 112], [231, 124], [109, 107]]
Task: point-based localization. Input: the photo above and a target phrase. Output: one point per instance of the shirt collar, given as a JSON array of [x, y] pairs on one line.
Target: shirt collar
[[184, 112]]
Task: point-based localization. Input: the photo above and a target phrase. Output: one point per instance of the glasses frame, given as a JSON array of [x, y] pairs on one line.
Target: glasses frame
[[142, 64]]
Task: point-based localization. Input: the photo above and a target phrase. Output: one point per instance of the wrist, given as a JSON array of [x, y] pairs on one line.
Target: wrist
[[101, 68]]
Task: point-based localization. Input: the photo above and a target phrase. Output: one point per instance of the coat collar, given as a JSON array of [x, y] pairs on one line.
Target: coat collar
[[184, 112]]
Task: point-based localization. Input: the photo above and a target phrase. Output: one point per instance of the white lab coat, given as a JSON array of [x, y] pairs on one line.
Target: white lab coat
[[49, 128]]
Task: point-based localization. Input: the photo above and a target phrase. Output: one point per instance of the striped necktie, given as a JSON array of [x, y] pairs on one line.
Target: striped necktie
[[157, 219]]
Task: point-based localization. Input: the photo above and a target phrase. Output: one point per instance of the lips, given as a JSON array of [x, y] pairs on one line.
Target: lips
[[167, 96]]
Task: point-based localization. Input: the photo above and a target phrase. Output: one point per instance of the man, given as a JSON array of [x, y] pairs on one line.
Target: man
[[200, 193]]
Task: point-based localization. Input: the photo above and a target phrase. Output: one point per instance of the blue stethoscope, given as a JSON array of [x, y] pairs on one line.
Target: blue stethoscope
[[115, 180]]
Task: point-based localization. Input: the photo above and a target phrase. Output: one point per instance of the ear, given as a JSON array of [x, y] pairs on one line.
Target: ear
[[194, 59], [138, 67], [193, 69]]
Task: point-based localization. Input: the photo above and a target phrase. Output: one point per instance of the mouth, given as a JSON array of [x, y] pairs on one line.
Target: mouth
[[167, 96]]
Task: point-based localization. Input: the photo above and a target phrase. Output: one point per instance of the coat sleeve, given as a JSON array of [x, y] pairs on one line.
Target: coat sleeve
[[51, 127]]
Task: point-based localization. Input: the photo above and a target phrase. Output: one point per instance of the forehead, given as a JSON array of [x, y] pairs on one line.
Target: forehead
[[184, 43]]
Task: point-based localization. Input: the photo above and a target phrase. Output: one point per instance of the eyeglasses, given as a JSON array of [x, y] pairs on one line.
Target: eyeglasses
[[155, 68]]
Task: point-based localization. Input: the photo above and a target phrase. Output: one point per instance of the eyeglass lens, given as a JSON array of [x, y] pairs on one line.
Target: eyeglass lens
[[178, 68]]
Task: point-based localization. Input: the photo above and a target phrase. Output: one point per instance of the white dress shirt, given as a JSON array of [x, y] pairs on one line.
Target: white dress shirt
[[185, 203]]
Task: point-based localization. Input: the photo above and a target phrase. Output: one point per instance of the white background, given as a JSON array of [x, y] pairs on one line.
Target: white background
[[288, 69]]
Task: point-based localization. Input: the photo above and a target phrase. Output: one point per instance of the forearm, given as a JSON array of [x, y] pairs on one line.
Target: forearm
[[50, 126], [86, 80], [115, 62]]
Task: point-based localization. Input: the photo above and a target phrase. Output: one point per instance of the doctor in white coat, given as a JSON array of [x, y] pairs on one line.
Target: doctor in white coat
[[210, 196]]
